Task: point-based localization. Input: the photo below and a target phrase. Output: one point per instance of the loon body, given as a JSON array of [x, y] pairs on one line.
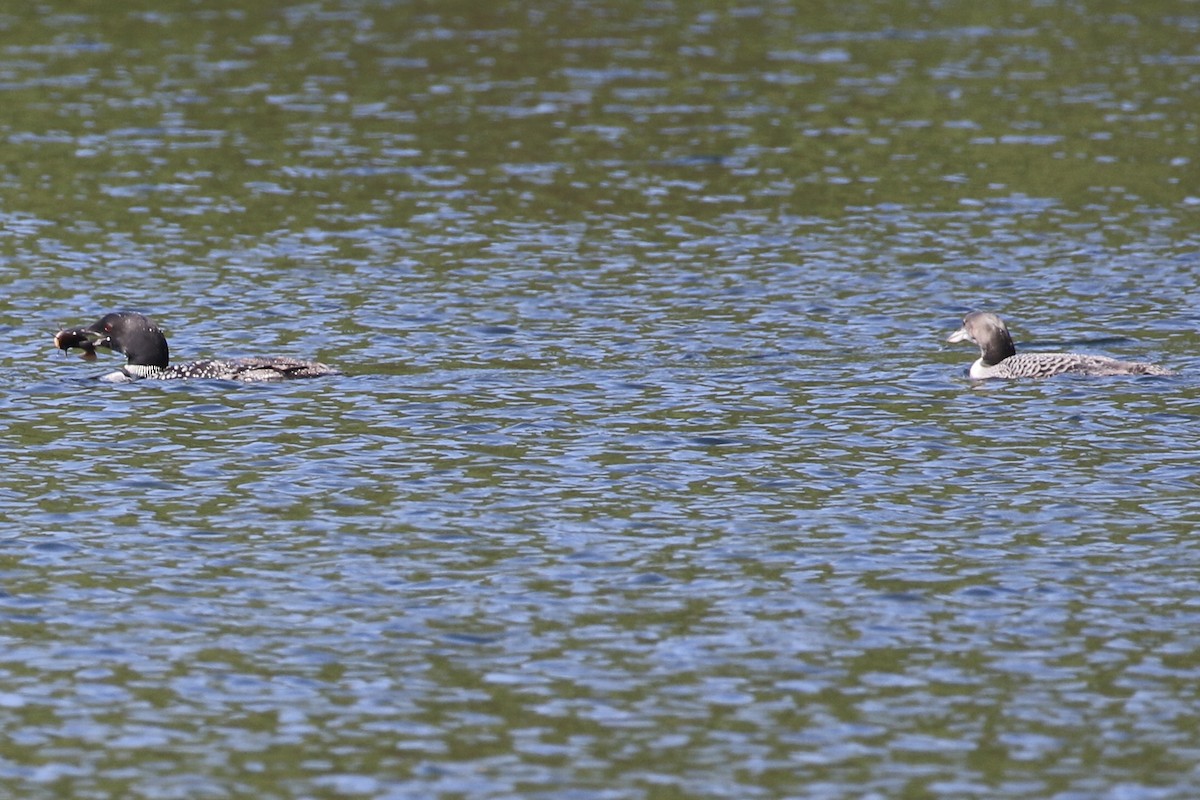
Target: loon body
[[147, 354], [998, 357]]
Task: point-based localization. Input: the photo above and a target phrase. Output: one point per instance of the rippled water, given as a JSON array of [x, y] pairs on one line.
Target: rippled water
[[650, 474]]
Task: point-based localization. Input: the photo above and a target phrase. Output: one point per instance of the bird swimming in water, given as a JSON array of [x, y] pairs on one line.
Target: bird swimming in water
[[998, 357], [145, 348]]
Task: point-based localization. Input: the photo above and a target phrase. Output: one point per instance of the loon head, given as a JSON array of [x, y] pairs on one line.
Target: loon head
[[130, 333], [989, 332]]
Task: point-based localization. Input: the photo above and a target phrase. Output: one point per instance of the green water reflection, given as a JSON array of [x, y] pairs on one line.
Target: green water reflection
[[647, 478]]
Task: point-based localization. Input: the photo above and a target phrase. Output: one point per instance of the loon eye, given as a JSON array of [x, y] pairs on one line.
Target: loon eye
[[107, 328]]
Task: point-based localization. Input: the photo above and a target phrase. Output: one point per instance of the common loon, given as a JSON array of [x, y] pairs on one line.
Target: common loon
[[998, 356], [145, 347]]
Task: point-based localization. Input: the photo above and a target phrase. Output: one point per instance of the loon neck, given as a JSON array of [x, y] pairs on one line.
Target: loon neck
[[143, 371], [148, 349], [996, 348]]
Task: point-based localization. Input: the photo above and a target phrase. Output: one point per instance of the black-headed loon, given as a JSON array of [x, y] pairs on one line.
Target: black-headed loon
[[145, 347], [998, 356]]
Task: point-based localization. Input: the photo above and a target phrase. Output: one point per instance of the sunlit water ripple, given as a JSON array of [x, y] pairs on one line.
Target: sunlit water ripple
[[650, 474]]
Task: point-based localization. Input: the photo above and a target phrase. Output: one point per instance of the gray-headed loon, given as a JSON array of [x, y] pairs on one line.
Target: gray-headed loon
[[998, 357]]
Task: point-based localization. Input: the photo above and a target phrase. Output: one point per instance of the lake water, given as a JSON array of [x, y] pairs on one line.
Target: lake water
[[650, 475]]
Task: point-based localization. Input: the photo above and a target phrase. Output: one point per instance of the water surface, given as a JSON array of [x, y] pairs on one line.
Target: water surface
[[650, 474]]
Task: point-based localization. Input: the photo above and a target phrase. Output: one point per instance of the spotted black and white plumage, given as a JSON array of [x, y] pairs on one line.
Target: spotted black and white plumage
[[148, 357], [998, 356]]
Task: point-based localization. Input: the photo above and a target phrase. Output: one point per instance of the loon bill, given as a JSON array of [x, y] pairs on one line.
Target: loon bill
[[998, 357], [148, 357]]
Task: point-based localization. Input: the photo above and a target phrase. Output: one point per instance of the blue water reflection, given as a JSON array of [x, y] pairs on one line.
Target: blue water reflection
[[650, 473]]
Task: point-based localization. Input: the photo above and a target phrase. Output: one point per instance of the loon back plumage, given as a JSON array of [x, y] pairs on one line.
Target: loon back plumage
[[148, 356], [998, 357]]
